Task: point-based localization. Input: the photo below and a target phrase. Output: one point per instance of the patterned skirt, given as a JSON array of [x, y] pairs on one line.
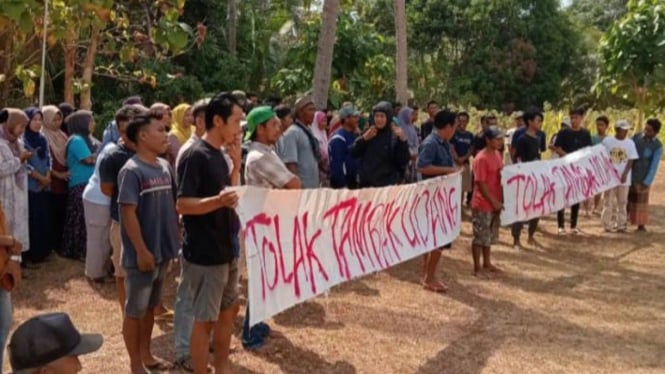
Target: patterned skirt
[[638, 205], [74, 235]]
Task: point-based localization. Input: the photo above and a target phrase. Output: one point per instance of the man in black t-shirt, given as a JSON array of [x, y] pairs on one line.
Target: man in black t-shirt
[[568, 141], [427, 126], [210, 269], [527, 149]]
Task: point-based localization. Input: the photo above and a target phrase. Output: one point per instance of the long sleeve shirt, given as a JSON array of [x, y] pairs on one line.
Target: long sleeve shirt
[[343, 166]]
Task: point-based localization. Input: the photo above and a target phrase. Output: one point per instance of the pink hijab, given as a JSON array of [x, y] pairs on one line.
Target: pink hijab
[[321, 135]]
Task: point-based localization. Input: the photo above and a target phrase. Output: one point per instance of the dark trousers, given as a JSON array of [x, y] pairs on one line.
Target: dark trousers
[[57, 205], [39, 219], [516, 228], [574, 212]]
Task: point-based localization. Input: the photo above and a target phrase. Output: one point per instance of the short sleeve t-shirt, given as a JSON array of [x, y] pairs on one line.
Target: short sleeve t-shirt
[[263, 167], [152, 189], [572, 140], [434, 152], [295, 147], [203, 172], [527, 148], [462, 142], [621, 151], [109, 168], [77, 151], [93, 192], [487, 167]]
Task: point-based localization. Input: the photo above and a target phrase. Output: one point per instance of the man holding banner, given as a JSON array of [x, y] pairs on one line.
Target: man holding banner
[[568, 141], [487, 198], [527, 149], [434, 160], [264, 168]]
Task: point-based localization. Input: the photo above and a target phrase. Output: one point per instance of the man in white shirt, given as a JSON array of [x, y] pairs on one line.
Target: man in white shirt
[[622, 154]]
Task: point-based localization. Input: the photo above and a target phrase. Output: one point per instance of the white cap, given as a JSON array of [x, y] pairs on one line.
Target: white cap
[[622, 124]]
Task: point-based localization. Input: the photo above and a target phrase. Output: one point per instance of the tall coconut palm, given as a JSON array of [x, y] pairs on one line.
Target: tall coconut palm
[[401, 85], [324, 53]]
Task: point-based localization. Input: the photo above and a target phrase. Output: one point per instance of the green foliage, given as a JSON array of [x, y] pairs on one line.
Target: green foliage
[[633, 56]]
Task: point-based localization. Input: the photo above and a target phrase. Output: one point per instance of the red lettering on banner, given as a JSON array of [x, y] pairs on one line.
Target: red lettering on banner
[[338, 242], [261, 228], [391, 237], [531, 196]]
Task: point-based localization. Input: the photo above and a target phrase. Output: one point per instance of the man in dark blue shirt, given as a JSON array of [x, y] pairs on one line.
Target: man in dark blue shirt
[[462, 145], [435, 159], [344, 167]]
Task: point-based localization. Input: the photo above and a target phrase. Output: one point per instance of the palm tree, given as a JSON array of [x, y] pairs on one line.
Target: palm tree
[[324, 54], [401, 85]]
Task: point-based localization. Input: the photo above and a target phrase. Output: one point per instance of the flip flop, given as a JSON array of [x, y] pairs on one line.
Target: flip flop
[[166, 316]]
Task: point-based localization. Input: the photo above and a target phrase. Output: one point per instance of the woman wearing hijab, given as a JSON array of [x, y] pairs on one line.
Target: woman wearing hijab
[[39, 182], [81, 161], [57, 144], [320, 132], [181, 129], [13, 176], [406, 117]]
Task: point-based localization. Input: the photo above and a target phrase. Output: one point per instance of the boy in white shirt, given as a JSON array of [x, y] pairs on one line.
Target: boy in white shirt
[[622, 153]]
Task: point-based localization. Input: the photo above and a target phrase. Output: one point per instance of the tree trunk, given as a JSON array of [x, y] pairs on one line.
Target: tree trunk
[[232, 29], [70, 65], [89, 68], [401, 85], [6, 67], [324, 53]]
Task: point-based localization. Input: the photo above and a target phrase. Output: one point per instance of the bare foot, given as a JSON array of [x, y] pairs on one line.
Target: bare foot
[[435, 286], [480, 274], [493, 269]]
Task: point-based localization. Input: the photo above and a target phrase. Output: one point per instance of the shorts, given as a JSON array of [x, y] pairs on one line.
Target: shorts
[[144, 289], [482, 228], [116, 245], [213, 288]]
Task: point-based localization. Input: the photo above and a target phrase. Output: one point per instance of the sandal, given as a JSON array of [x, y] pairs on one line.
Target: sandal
[[166, 316]]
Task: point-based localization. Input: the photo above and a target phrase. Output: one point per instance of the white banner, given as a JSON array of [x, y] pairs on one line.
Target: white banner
[[536, 189], [301, 243]]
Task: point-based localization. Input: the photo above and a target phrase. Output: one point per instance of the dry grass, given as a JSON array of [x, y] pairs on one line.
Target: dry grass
[[589, 304]]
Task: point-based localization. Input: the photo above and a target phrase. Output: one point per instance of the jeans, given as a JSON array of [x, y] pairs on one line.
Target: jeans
[[183, 319], [5, 321], [574, 212]]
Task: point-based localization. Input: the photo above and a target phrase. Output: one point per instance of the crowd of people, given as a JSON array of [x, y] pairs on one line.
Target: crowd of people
[[156, 189]]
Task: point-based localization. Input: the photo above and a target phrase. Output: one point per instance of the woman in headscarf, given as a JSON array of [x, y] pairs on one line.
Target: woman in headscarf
[[81, 159], [181, 128], [406, 117], [13, 176], [320, 132], [39, 181], [57, 144]]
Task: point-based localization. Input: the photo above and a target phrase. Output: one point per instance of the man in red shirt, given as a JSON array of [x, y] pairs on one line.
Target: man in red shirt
[[487, 198]]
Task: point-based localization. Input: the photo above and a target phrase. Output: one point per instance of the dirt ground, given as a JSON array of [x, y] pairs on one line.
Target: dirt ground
[[593, 303]]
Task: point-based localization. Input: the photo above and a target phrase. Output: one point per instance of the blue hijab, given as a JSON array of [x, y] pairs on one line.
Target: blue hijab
[[35, 140]]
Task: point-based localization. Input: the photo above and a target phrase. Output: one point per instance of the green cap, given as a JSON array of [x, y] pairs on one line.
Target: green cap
[[256, 117]]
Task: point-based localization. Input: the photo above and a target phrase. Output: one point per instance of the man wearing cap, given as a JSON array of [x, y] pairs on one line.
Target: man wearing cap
[[298, 147], [344, 167], [50, 344], [487, 198], [382, 150], [264, 168], [622, 154]]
